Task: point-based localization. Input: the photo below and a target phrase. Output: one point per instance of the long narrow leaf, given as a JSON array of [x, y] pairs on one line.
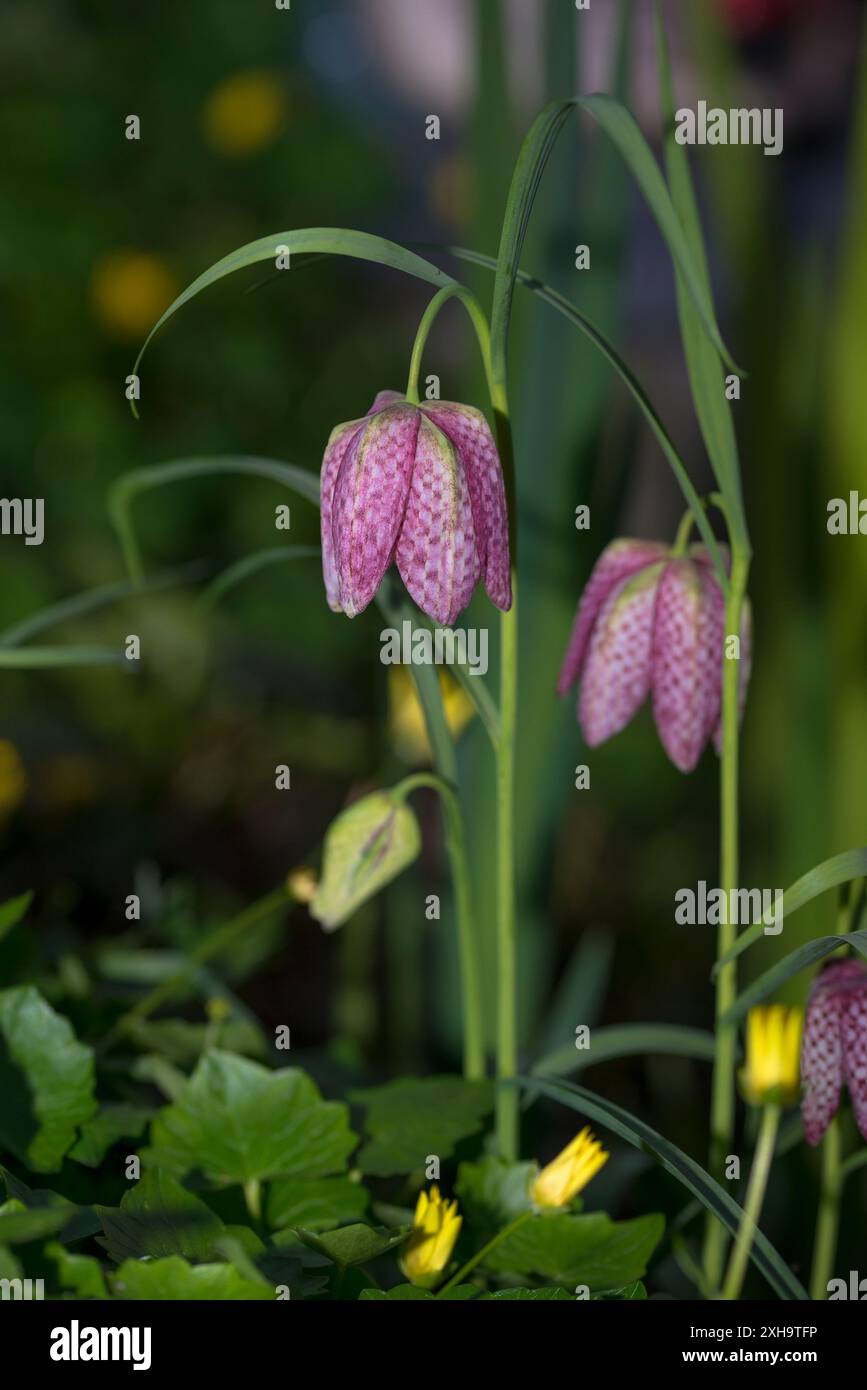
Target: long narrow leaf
[[624, 371], [681, 1166], [840, 868], [331, 241], [627, 1040], [91, 600], [704, 369], [242, 569], [44, 658], [622, 129], [799, 959]]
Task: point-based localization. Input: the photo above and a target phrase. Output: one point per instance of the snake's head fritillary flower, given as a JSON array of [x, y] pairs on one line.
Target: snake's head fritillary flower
[[652, 622], [569, 1173], [771, 1074], [421, 485], [834, 1049], [435, 1229]]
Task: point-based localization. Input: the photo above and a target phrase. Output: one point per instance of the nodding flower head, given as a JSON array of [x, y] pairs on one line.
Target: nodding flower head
[[834, 1049], [421, 485], [652, 622]]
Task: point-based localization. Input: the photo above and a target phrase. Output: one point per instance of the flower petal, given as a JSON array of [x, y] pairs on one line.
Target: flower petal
[[471, 436], [616, 675], [370, 500], [853, 1026], [821, 1058], [384, 399], [617, 562], [339, 441], [687, 661], [437, 554]]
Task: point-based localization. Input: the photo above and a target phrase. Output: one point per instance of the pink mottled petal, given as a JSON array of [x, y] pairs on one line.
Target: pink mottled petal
[[616, 675], [339, 442], [687, 661], [384, 399], [853, 1027], [616, 563], [746, 666], [436, 554], [821, 1059], [700, 553], [471, 436], [370, 500]]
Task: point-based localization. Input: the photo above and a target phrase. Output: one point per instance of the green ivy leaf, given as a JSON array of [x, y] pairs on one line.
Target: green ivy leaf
[[368, 845], [159, 1217], [80, 1274], [46, 1080], [549, 1295], [492, 1193], [18, 1225], [113, 1122], [317, 1204], [588, 1249], [630, 1293], [352, 1245], [78, 1222], [238, 1122], [408, 1120], [173, 1278]]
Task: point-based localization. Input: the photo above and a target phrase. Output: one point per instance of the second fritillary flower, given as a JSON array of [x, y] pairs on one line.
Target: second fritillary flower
[[834, 1050]]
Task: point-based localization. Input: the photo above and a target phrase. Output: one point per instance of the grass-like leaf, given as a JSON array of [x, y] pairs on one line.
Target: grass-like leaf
[[783, 970], [681, 1166]]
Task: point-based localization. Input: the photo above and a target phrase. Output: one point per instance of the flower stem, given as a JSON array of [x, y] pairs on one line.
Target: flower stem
[[477, 317], [723, 1085], [468, 946], [828, 1219], [485, 1250], [762, 1159], [507, 1022]]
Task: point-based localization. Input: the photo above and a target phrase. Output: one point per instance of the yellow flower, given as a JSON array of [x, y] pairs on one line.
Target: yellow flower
[[245, 113], [129, 290], [772, 1071], [429, 1248], [569, 1173], [406, 718], [13, 779]]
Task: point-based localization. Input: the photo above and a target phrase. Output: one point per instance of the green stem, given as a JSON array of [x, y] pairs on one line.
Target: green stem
[[213, 945], [828, 1218], [723, 1085], [762, 1160], [468, 946], [477, 318], [485, 1250], [253, 1198]]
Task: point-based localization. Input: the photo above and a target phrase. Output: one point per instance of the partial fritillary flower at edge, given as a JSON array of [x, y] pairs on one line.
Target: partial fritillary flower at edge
[[652, 622], [420, 485], [834, 1048]]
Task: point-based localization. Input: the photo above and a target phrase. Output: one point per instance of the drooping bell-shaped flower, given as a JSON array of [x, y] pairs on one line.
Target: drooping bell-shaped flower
[[834, 1049], [421, 485], [652, 622]]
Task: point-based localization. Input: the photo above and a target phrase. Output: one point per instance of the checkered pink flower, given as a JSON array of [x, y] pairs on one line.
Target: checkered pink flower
[[423, 486], [652, 623], [834, 1047]]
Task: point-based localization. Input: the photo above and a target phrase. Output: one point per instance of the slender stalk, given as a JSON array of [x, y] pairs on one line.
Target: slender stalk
[[762, 1160], [468, 946], [723, 1085], [828, 1218], [485, 1250], [477, 318]]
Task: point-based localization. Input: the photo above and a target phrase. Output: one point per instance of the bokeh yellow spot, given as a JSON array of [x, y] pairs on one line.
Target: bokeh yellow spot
[[245, 114], [406, 717], [13, 779], [129, 290]]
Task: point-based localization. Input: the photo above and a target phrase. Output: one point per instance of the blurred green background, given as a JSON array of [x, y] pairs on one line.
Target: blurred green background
[[255, 120]]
